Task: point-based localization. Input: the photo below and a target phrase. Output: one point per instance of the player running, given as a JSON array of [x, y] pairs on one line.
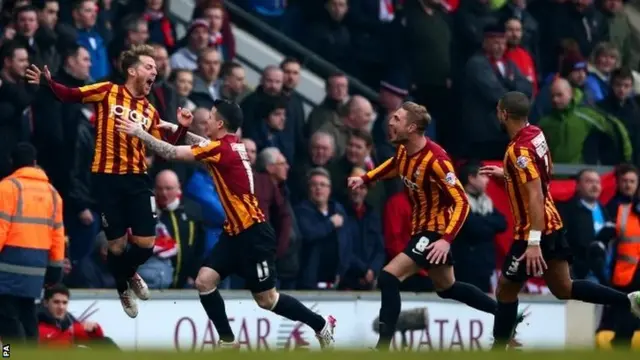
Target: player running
[[539, 246], [122, 186], [247, 246], [439, 207]]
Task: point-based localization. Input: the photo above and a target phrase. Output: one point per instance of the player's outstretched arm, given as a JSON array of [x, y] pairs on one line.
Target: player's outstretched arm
[[189, 139], [386, 170], [86, 94], [163, 149]]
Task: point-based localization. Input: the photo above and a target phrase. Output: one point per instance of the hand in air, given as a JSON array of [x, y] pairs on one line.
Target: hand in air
[[354, 182], [129, 127], [185, 117], [535, 262], [439, 251], [33, 74], [491, 170]]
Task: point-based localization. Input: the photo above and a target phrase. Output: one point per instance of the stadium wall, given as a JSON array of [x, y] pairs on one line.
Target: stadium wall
[[174, 320]]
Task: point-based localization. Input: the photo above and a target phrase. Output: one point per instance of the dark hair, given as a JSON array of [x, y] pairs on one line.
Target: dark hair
[[23, 154], [174, 73], [9, 48], [470, 168], [361, 134], [230, 113], [623, 73], [227, 68], [41, 4], [131, 57], [21, 9], [516, 104], [71, 50], [78, 3], [131, 22], [289, 60], [56, 289], [334, 74], [624, 169]]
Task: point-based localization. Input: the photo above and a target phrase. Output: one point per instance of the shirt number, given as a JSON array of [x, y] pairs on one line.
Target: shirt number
[[242, 152]]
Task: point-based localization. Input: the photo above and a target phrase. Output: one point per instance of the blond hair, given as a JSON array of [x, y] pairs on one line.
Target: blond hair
[[417, 114], [131, 57]]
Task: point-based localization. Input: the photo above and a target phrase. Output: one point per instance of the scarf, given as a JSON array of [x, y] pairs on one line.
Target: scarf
[[165, 26], [481, 204]]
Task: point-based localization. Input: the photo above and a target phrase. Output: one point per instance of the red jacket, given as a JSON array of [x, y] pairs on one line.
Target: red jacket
[[65, 333], [523, 60]]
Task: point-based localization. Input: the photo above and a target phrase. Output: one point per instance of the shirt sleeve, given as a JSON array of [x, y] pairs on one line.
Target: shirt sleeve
[[386, 170], [86, 94], [7, 209], [523, 162], [445, 177], [56, 253], [207, 151]]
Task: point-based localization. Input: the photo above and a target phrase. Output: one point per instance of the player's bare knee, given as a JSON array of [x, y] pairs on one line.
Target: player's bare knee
[[118, 246], [143, 241], [442, 278], [267, 299], [207, 280]]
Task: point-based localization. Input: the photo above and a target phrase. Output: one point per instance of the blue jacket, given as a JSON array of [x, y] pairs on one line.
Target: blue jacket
[[94, 43], [366, 241], [200, 189], [315, 230]]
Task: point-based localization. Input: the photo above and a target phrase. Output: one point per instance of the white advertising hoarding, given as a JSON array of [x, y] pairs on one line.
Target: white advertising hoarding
[[183, 325]]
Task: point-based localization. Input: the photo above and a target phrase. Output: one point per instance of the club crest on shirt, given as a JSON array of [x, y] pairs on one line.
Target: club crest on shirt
[[204, 143], [522, 162], [450, 178]]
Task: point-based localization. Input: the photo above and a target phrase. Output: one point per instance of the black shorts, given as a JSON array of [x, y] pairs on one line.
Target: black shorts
[[125, 201], [417, 249], [250, 254], [554, 247]]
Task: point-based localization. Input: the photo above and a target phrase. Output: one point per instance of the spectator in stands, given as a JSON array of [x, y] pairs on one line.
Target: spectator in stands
[[620, 104], [162, 30], [197, 40], [321, 151], [271, 133], [163, 96], [84, 19], [619, 30], [356, 114], [470, 20], [326, 243], [15, 96], [273, 163], [474, 245], [92, 272], [488, 76], [206, 85], [294, 126], [357, 155], [601, 139], [337, 94], [632, 11], [329, 35], [50, 29], [365, 228], [201, 123], [393, 91], [518, 54], [604, 59], [626, 188], [530, 31], [233, 87], [182, 81], [214, 14], [42, 48], [178, 250], [59, 329], [203, 10]]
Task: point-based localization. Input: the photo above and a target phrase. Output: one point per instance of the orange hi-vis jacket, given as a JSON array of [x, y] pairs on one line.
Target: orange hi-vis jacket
[[628, 249], [31, 231]]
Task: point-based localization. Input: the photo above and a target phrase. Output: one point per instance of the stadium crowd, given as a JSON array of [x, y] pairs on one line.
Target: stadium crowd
[[577, 59]]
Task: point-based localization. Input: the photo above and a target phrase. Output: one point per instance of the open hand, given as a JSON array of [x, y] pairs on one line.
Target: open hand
[[354, 182], [439, 251], [33, 74], [491, 170], [129, 127], [185, 117], [535, 262]]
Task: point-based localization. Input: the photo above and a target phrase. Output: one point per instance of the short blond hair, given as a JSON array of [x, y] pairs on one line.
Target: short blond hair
[[131, 57], [417, 114]]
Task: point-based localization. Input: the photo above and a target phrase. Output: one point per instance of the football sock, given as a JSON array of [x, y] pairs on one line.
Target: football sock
[[470, 295], [293, 309], [135, 256], [591, 292], [503, 323], [389, 309], [115, 264], [214, 307]]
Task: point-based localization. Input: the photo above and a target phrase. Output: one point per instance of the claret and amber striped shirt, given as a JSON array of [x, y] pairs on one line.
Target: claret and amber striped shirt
[[438, 200], [228, 163], [527, 159], [116, 152]]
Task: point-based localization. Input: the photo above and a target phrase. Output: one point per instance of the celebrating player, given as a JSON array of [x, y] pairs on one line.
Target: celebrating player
[[247, 246], [439, 207], [123, 188], [540, 246]]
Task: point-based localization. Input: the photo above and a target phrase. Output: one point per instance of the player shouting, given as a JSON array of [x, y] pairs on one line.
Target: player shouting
[[540, 246], [439, 207], [247, 246], [122, 186]]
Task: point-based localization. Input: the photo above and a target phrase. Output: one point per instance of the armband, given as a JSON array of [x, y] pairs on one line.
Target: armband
[[534, 238]]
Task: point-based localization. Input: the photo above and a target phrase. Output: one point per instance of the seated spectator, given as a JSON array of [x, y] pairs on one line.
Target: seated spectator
[[197, 39], [321, 151], [337, 94], [59, 329], [594, 137], [326, 243], [474, 246], [365, 229], [627, 189], [329, 35], [604, 59], [272, 111], [620, 104], [233, 87], [93, 272], [270, 88], [182, 81], [356, 114], [178, 250]]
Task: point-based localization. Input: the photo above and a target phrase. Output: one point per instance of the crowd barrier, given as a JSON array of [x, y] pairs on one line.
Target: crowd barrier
[[175, 320]]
